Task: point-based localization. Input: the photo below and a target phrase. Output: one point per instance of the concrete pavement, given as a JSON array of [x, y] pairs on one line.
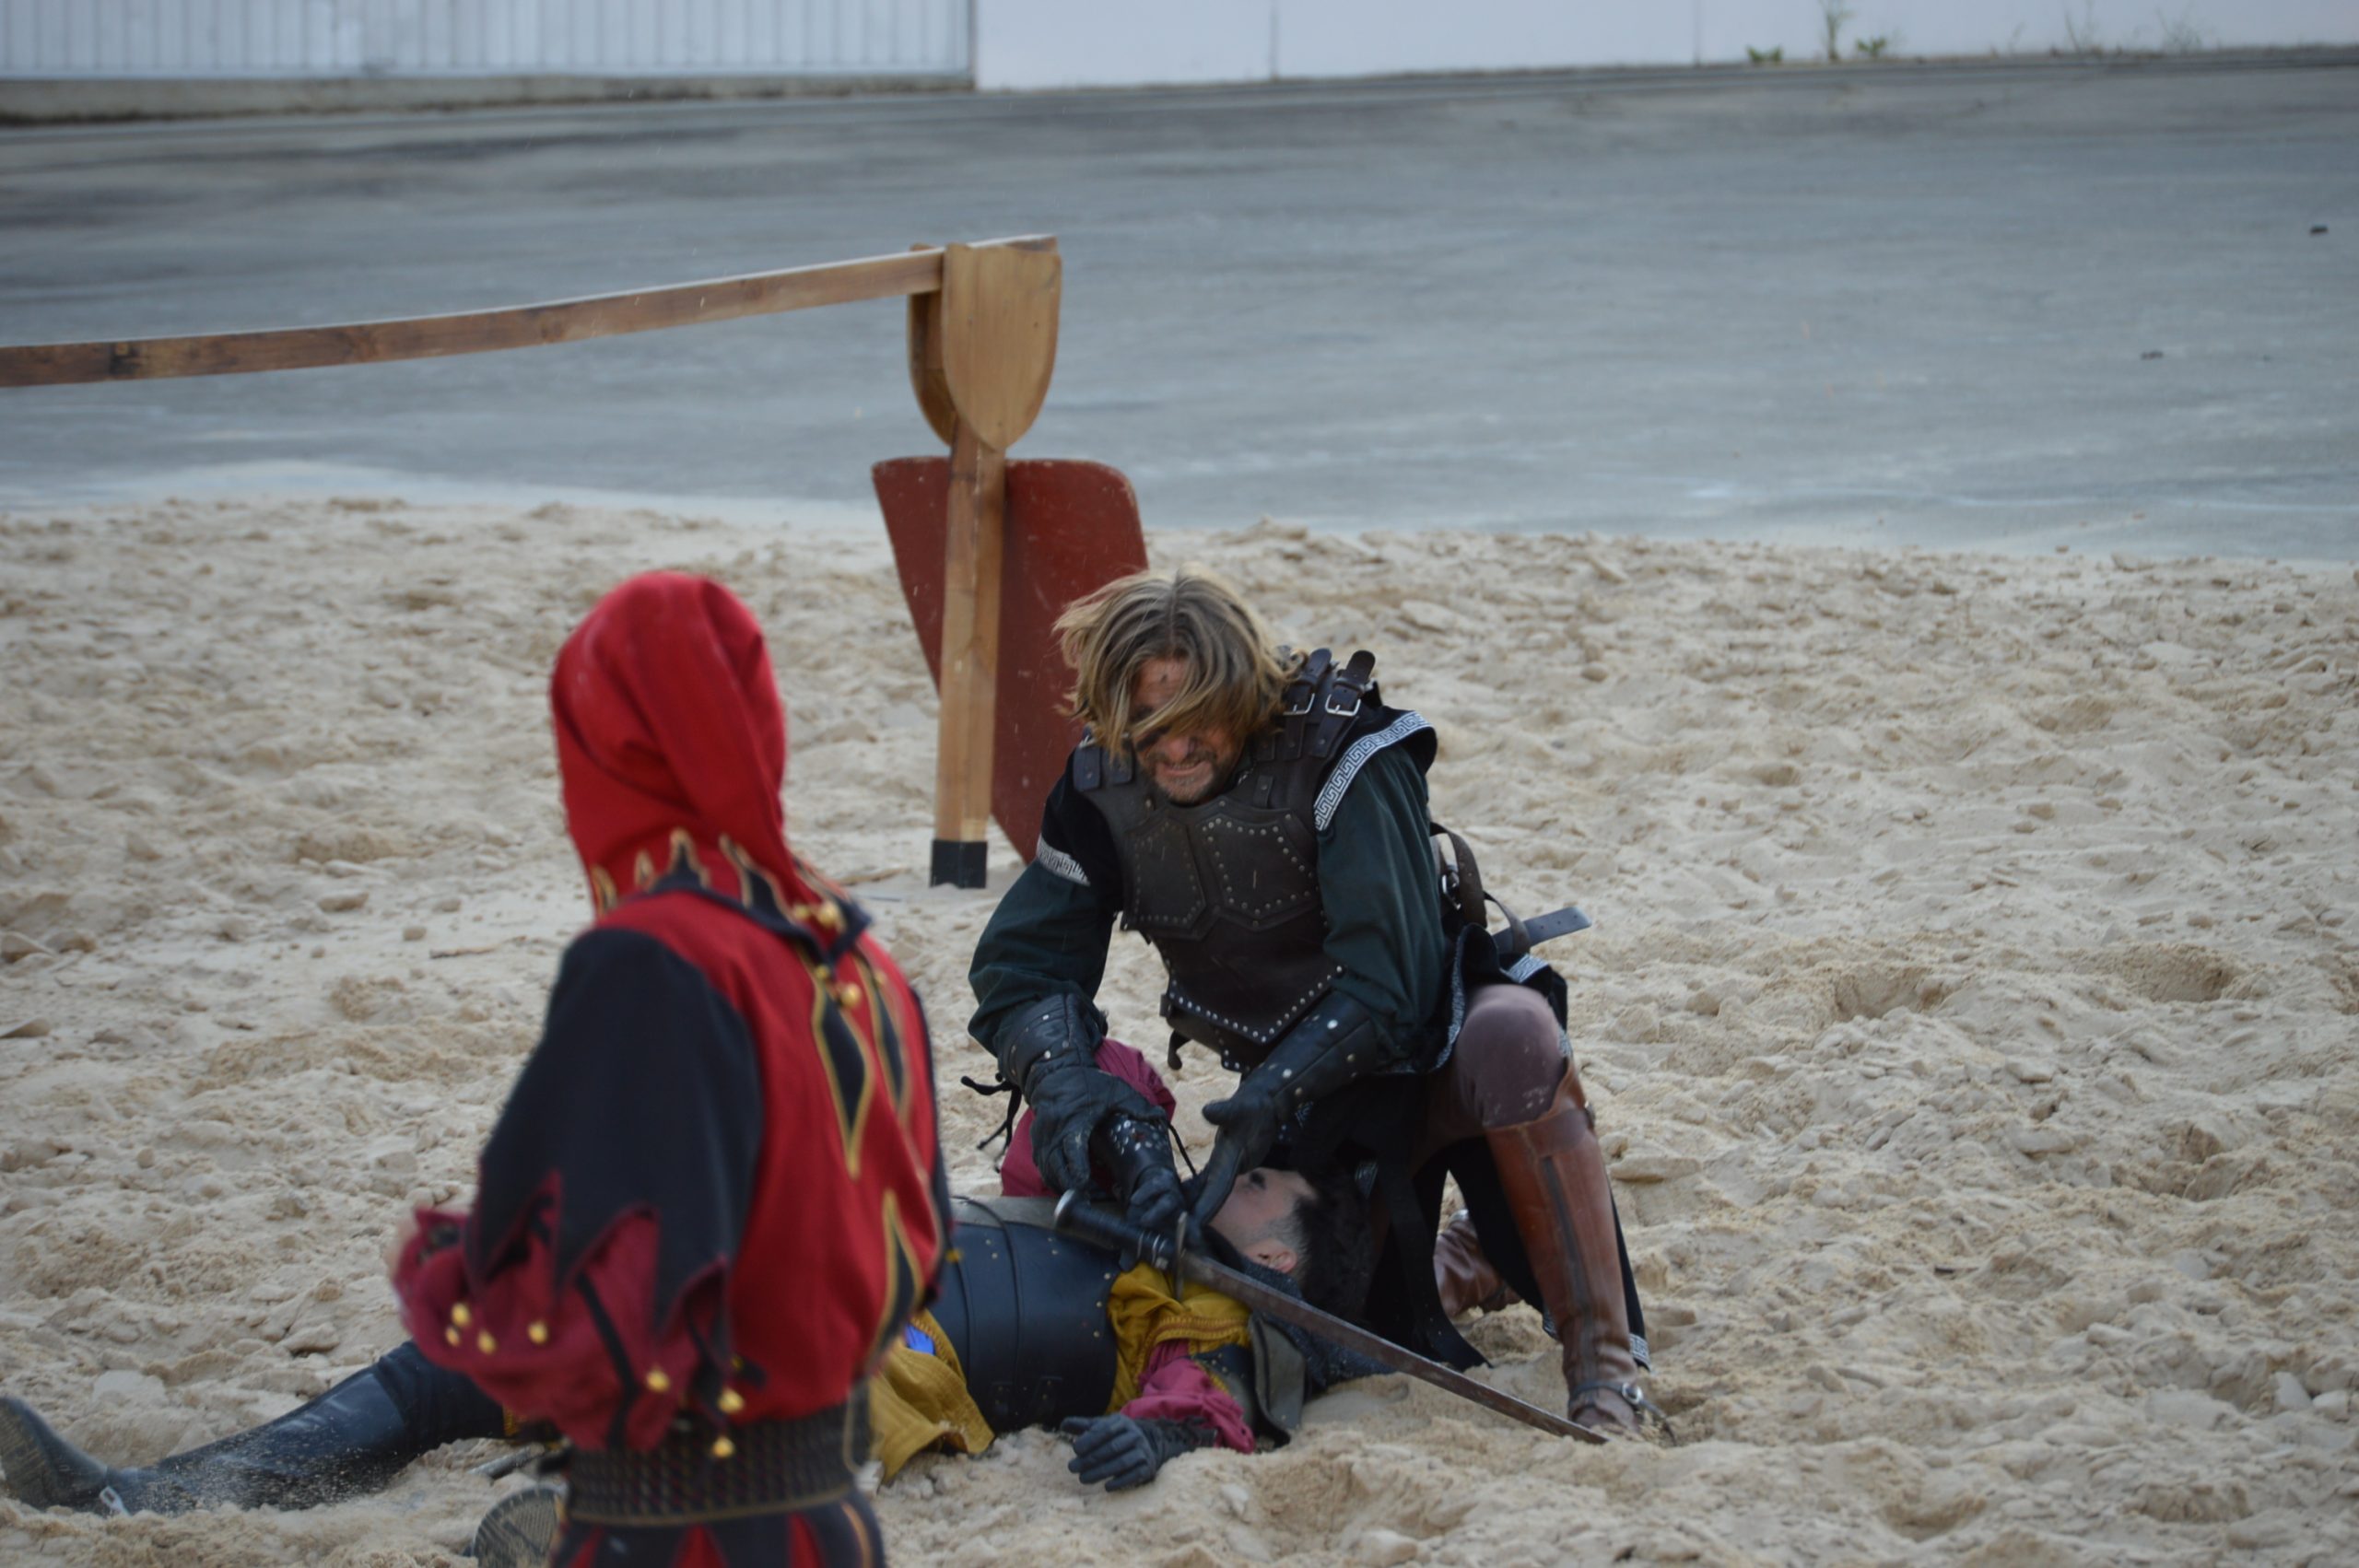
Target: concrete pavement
[[2006, 307]]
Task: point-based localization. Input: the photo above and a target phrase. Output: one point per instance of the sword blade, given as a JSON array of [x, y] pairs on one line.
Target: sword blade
[[1351, 1337], [1097, 1226]]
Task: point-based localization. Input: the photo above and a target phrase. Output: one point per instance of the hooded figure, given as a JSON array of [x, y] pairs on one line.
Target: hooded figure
[[715, 1195]]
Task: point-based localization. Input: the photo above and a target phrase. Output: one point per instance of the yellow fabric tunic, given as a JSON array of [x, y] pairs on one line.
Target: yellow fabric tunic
[[919, 1401]]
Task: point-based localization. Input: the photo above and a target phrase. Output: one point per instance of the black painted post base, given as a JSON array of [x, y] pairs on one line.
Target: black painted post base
[[958, 862]]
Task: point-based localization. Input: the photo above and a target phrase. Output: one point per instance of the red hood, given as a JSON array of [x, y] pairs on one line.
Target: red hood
[[670, 741]]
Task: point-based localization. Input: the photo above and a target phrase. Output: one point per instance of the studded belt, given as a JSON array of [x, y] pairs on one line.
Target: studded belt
[[775, 1467]]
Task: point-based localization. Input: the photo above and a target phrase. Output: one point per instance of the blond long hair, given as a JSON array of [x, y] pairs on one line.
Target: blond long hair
[[1235, 672]]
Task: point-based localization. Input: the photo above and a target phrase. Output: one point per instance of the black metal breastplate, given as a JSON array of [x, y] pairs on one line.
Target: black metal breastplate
[[1026, 1310], [1227, 890]]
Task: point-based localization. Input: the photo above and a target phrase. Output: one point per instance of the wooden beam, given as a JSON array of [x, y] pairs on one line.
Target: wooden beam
[[481, 331], [926, 375], [998, 328]]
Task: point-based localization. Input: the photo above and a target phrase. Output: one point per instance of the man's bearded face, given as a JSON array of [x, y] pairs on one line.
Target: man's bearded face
[[1187, 766]]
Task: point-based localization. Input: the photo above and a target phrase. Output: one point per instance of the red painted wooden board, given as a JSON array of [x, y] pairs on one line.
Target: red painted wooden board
[[1072, 527]]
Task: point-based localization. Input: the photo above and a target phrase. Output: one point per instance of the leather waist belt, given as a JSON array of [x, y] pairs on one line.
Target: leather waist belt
[[778, 1466]]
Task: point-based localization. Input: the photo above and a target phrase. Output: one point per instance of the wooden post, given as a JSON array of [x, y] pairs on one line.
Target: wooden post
[[988, 343], [962, 763]]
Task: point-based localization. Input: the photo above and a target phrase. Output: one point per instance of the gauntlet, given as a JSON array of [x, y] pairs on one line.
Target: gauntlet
[[1049, 1050], [1334, 1044]]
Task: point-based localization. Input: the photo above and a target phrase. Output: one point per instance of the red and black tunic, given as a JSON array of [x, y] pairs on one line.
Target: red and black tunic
[[715, 1194]]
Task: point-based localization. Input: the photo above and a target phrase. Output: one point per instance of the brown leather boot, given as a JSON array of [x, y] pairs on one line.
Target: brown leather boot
[[1463, 1276], [1554, 1174]]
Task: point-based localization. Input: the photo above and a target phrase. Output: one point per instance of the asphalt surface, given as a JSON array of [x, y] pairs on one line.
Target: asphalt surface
[[1994, 306]]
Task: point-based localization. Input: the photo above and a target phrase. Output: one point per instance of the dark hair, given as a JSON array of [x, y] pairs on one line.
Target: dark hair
[[1331, 1233]]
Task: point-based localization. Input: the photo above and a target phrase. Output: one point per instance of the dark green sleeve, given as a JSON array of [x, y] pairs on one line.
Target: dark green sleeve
[[1048, 934], [1382, 895]]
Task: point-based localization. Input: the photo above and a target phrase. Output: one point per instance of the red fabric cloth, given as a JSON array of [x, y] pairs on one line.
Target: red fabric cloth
[[1019, 1176], [1177, 1387], [672, 744]]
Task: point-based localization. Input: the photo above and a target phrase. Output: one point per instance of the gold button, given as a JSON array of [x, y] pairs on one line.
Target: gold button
[[732, 1401], [659, 1381], [802, 912], [848, 994], [486, 1343], [449, 1336], [537, 1332], [723, 1448], [461, 1315]]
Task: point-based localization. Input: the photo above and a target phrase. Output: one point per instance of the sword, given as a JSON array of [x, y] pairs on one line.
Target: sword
[[1078, 1218]]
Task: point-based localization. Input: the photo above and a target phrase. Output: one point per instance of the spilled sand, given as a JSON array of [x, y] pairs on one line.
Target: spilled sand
[[1972, 1017]]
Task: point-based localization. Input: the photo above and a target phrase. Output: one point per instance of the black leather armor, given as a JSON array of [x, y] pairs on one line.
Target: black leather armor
[[1227, 890]]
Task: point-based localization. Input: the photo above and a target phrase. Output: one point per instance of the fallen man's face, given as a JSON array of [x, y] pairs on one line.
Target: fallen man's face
[[1254, 1219]]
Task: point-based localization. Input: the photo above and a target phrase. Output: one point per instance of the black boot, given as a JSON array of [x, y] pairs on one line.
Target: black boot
[[42, 1469], [350, 1440], [521, 1531]]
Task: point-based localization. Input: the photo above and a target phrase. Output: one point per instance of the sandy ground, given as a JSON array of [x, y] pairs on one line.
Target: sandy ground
[[1971, 1015]]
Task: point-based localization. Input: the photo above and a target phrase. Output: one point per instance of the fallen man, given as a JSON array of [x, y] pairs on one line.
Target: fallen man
[[1030, 1328]]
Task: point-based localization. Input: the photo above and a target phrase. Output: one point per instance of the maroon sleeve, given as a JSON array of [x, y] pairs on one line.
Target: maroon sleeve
[[1178, 1388]]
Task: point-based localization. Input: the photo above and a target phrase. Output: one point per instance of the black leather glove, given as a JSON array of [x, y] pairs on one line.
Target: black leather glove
[[1069, 1103], [1334, 1043], [1123, 1452], [1049, 1050], [1138, 1153]]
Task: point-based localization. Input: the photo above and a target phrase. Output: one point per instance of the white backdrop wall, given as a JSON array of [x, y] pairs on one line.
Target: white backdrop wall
[[1052, 43], [200, 39]]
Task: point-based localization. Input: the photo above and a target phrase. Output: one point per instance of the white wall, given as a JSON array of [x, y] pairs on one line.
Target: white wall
[[1028, 44], [1053, 43], [212, 39], [1363, 37]]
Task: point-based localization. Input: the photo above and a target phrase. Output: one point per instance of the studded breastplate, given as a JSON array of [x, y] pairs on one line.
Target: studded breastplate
[[1227, 890]]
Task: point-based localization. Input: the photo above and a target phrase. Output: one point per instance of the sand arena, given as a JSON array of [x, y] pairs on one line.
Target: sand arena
[[1972, 1018]]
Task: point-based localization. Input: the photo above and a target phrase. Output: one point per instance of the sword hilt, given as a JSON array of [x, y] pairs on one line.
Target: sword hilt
[[1076, 1218]]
